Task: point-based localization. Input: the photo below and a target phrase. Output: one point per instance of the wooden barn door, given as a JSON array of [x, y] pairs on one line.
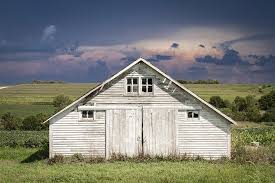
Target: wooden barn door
[[124, 132], [159, 131]]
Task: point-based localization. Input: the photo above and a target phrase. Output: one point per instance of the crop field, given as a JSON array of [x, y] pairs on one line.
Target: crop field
[[36, 98], [15, 168]]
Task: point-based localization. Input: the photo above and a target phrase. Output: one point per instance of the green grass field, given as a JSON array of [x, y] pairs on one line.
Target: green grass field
[[12, 170], [30, 95]]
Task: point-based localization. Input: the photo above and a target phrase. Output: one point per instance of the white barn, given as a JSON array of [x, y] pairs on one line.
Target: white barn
[[140, 110]]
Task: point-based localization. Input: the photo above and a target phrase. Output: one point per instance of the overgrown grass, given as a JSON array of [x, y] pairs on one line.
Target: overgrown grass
[[13, 170]]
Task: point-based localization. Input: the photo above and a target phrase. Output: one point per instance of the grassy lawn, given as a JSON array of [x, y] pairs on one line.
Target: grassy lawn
[[12, 170]]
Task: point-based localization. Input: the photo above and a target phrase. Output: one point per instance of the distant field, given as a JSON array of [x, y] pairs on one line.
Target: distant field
[[30, 95], [228, 91], [24, 110], [36, 93]]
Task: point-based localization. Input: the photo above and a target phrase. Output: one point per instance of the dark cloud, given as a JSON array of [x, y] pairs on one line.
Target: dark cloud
[[230, 57], [227, 44], [158, 58], [175, 45], [202, 46]]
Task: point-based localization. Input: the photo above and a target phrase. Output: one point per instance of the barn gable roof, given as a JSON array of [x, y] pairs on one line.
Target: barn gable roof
[[100, 86]]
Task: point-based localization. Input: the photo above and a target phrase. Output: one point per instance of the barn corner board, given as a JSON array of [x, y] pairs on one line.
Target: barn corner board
[[140, 110]]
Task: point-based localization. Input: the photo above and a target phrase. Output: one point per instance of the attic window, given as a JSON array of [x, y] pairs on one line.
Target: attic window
[[147, 85], [193, 114], [132, 85], [88, 114]]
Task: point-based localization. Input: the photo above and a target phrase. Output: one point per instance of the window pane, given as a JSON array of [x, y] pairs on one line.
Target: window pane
[[150, 88], [144, 81], [90, 114], [129, 81], [143, 88], [190, 114], [84, 114], [135, 88], [128, 88], [150, 81], [135, 81], [196, 114]]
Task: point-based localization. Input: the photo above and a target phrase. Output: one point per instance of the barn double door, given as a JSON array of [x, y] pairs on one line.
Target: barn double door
[[141, 130]]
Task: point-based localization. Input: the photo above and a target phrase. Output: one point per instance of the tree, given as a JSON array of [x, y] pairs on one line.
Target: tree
[[267, 101], [10, 122], [239, 104], [269, 116], [31, 123], [217, 101], [61, 101]]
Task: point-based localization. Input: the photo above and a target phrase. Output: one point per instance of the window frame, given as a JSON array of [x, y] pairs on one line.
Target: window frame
[[132, 86], [87, 118], [147, 85], [193, 112], [139, 85]]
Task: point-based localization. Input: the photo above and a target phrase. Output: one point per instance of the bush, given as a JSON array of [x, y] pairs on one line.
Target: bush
[[56, 159], [34, 122], [267, 101], [77, 158], [239, 104], [269, 116], [24, 138], [10, 122], [61, 101], [217, 101]]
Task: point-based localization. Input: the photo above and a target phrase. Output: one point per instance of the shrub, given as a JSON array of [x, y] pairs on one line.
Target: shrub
[[56, 159], [269, 116], [23, 138], [10, 122], [217, 101], [77, 158], [267, 101], [61, 101], [239, 104], [34, 122]]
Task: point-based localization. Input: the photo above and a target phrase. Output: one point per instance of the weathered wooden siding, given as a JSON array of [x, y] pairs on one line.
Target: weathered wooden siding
[[163, 95], [159, 129], [166, 129], [124, 132], [69, 135], [207, 136]]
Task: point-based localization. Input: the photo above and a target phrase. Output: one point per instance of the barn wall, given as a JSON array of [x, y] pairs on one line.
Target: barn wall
[[70, 136], [208, 136], [163, 95]]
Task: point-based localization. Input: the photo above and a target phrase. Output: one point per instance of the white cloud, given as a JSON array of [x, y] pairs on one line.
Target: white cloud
[[49, 33]]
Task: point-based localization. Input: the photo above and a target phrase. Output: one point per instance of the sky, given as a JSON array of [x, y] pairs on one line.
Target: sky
[[88, 41]]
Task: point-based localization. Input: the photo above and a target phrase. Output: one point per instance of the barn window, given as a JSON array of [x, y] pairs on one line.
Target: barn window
[[147, 85], [132, 85], [88, 114], [193, 114]]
